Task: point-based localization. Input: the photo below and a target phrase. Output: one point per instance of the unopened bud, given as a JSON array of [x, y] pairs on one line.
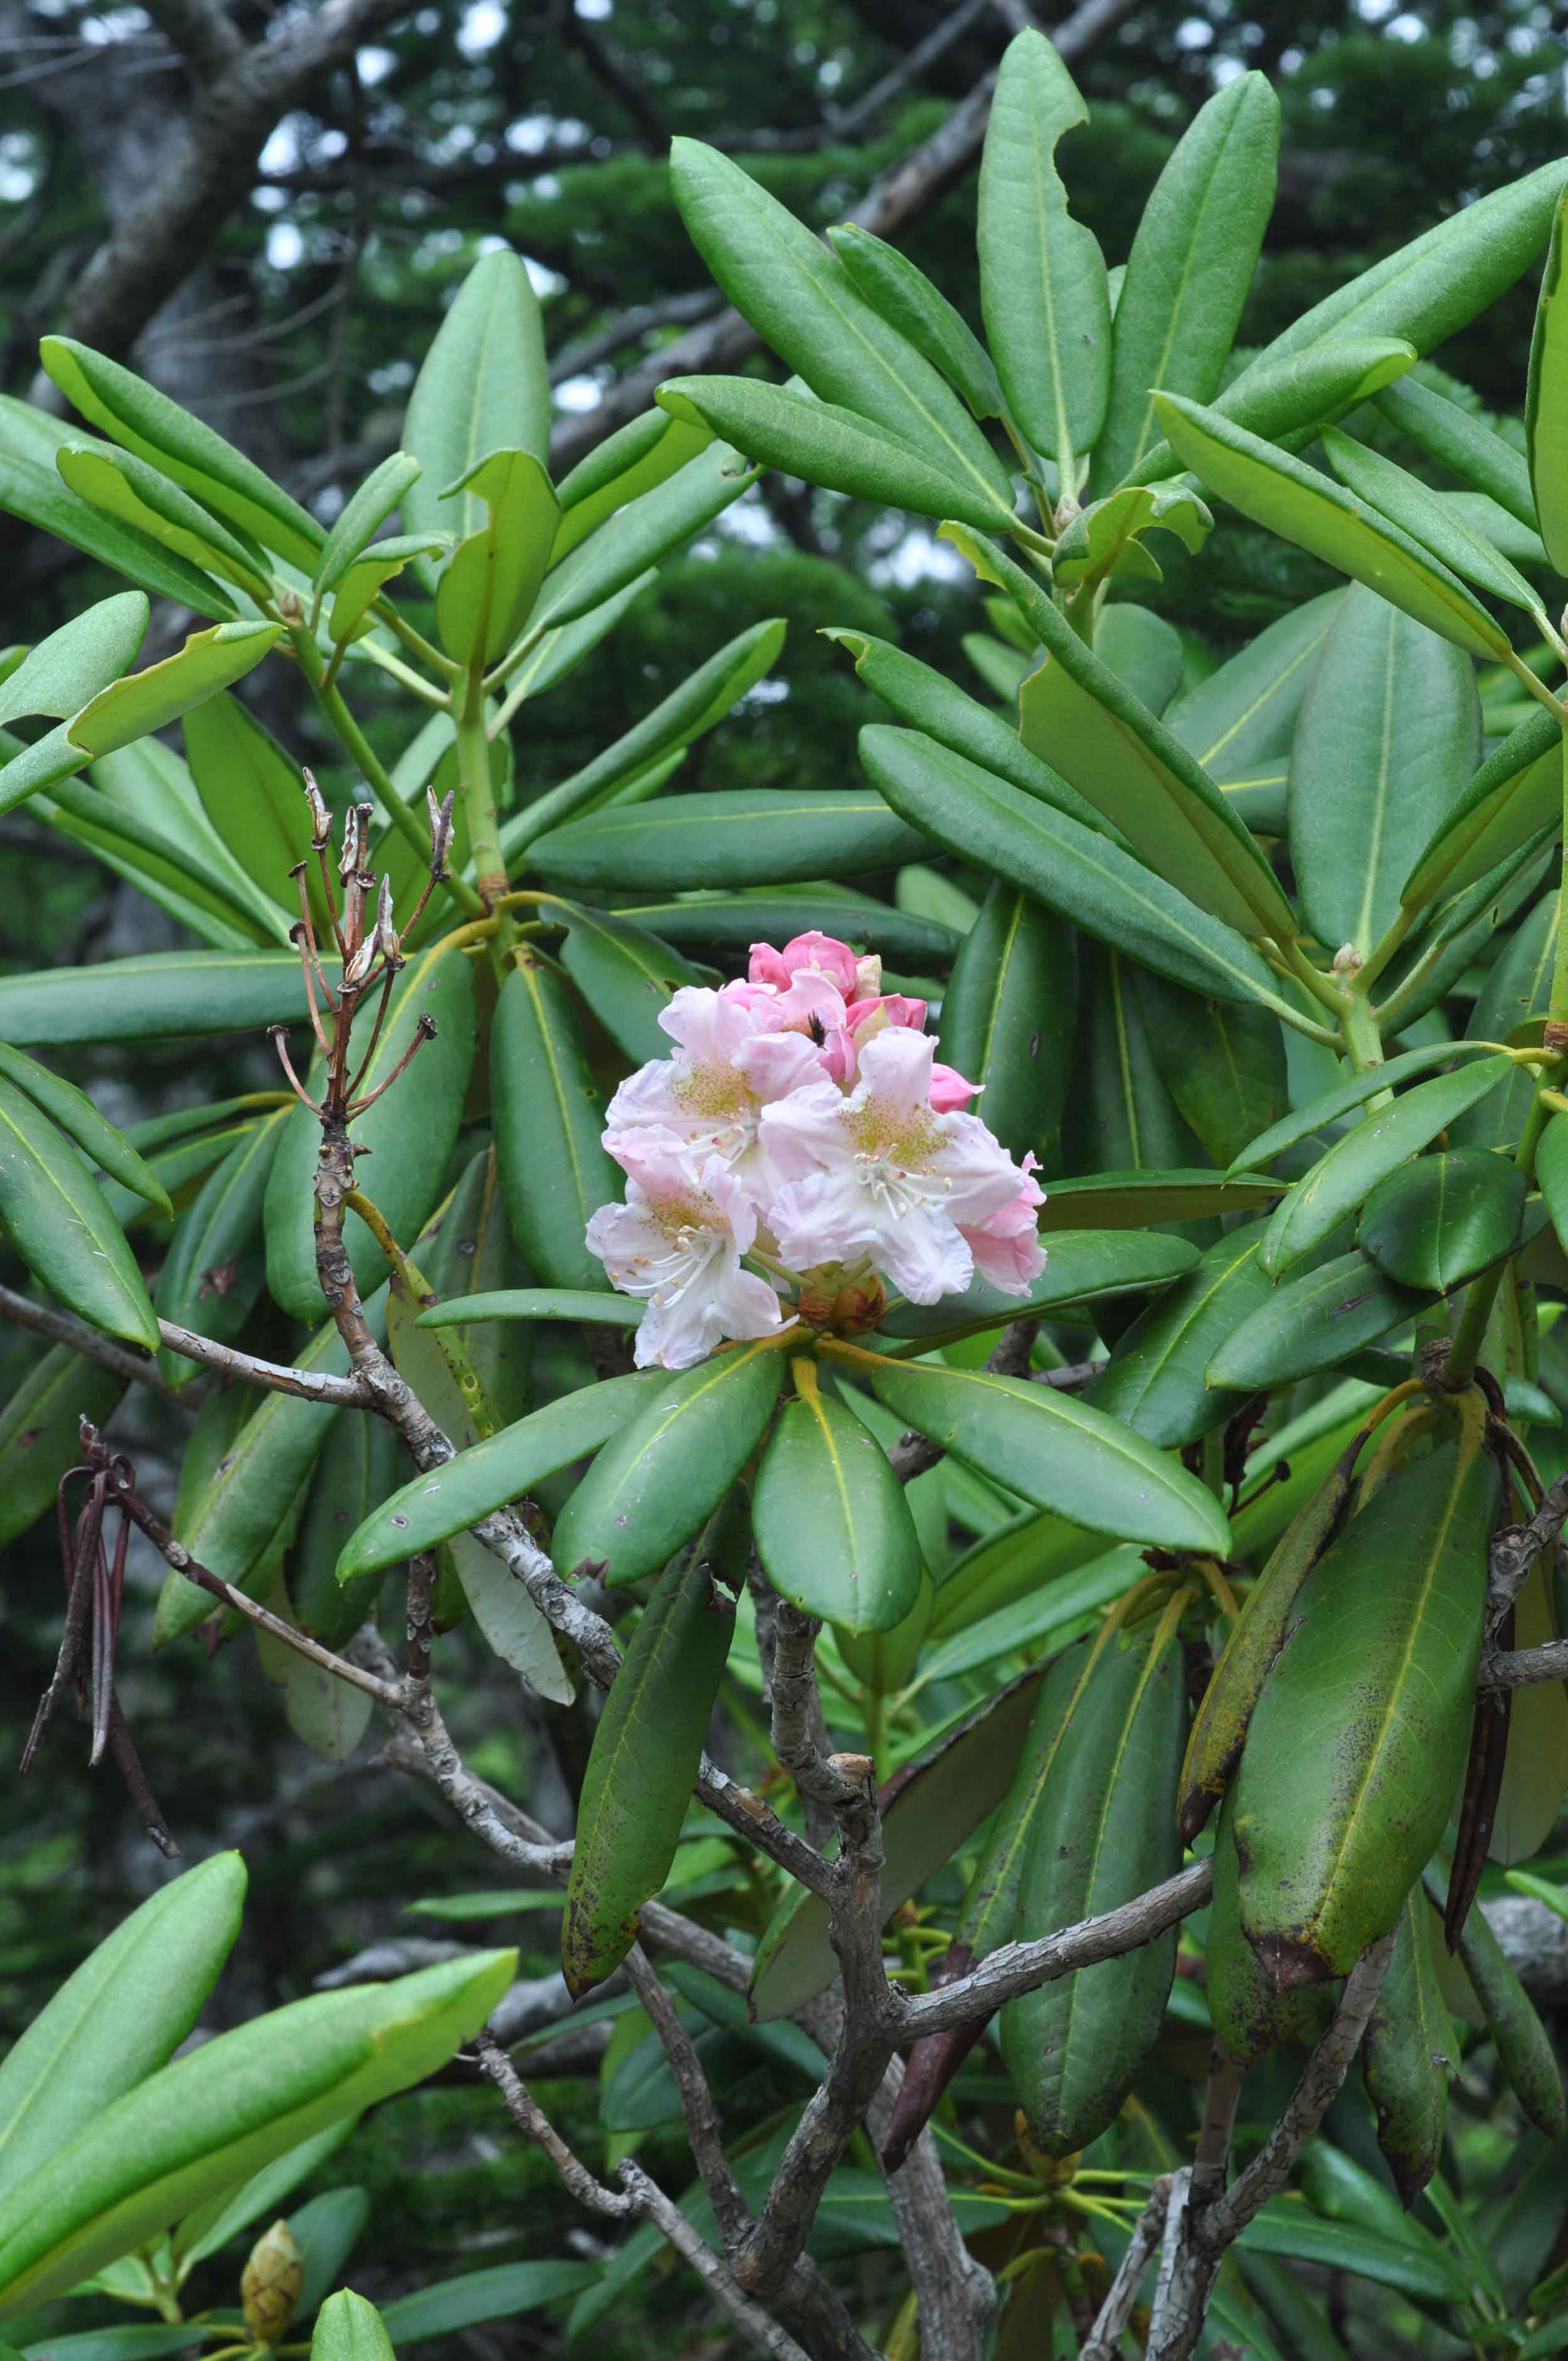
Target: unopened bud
[[320, 818], [440, 829], [352, 854], [271, 2283], [359, 963], [868, 977], [386, 935]]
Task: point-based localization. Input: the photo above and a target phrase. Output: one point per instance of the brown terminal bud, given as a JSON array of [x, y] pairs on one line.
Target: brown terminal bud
[[386, 936], [271, 2283], [440, 829], [320, 818], [352, 854], [359, 964]]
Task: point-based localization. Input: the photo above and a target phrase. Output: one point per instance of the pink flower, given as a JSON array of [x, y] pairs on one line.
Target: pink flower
[[949, 1091], [881, 1173], [1006, 1247], [677, 1243], [825, 953], [729, 1064]]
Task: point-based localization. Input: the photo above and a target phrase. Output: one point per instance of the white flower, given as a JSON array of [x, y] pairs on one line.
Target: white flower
[[880, 1174], [730, 1063], [677, 1243]]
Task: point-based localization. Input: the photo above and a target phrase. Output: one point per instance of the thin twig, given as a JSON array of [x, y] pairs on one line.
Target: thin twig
[[1117, 2309], [61, 1329], [274, 1377]]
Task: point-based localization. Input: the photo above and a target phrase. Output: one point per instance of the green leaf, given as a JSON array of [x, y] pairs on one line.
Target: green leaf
[[1072, 871], [938, 1803], [41, 1434], [215, 1268], [139, 418], [799, 297], [1318, 1113], [627, 976], [1125, 1201], [365, 577], [1461, 443], [1358, 1741], [1105, 540], [1516, 792], [1157, 1380], [642, 1766], [159, 996], [548, 1118], [76, 1115], [1224, 1067], [1106, 1831], [134, 708], [30, 489], [702, 699], [735, 836], [1291, 401], [1238, 723], [359, 1465], [832, 1527], [1524, 2048], [908, 301], [473, 2297], [538, 1303], [209, 2228], [1348, 1172], [126, 488], [348, 2328], [180, 865], [929, 700], [474, 1253], [656, 1480], [735, 921], [119, 2018], [482, 387], [835, 447], [1042, 276], [49, 759], [1052, 1450], [638, 536], [1190, 267], [1147, 654], [1546, 402], [1429, 519], [1246, 2012], [488, 586], [637, 458], [72, 665], [366, 509], [1307, 508], [1081, 1267], [254, 797], [1388, 736], [56, 1218], [1078, 716], [1288, 2226], [1313, 1322], [1551, 1171], [1442, 1218], [1009, 1019]]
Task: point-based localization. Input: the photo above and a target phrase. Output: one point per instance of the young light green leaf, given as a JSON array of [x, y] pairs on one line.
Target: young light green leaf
[[348, 2328], [1389, 734], [1429, 520], [1546, 402], [733, 836], [832, 1527], [1463, 443], [143, 420], [77, 1116], [119, 2018], [482, 387], [1346, 1173], [254, 797], [608, 561], [1289, 402], [1516, 792], [209, 661], [1304, 507], [366, 577], [56, 1218], [636, 459], [1107, 539], [366, 509], [65, 670], [800, 297], [537, 1303], [548, 1115], [1190, 267], [488, 586], [126, 488], [908, 301], [1042, 276]]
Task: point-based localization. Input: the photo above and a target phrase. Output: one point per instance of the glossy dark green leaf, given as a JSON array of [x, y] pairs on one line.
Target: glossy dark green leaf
[[1388, 734], [1249, 2016], [409, 1135], [1078, 716], [799, 296], [735, 921], [626, 975], [1042, 276], [1313, 1322], [1055, 1452], [359, 1466], [1190, 267], [41, 1431], [929, 1808], [1407, 2055], [1081, 1267], [908, 301], [1290, 2226], [1106, 1831], [1546, 404], [1463, 443], [548, 1116], [1524, 2046], [1358, 1739], [55, 1217], [74, 1113], [1344, 1176], [1008, 1020], [1072, 871], [836, 448], [75, 662], [1238, 722], [1224, 1066], [1517, 791], [1318, 1113], [216, 1264], [1309, 508], [474, 1255], [644, 1759], [119, 2017], [736, 836], [1130, 1200], [1429, 519], [654, 1483], [1442, 1218], [1459, 933], [538, 1303], [832, 1528], [482, 387], [884, 1662], [145, 422], [1157, 1380]]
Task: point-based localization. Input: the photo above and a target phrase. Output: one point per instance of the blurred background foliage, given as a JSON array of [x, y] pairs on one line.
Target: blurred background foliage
[[296, 329]]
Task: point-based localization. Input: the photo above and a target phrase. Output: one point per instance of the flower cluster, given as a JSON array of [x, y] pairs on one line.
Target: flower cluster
[[801, 1141]]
